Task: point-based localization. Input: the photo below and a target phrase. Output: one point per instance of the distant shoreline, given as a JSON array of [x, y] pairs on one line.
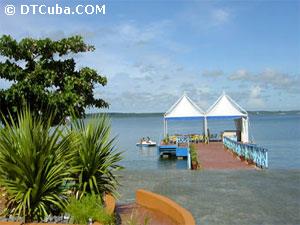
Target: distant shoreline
[[261, 112]]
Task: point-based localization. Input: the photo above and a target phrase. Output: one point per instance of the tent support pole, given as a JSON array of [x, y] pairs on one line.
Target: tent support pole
[[206, 138], [165, 128], [245, 129], [205, 126]]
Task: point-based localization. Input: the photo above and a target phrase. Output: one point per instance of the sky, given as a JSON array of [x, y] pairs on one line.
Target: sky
[[153, 51]]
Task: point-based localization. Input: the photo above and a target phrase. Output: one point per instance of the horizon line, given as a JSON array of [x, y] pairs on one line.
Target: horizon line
[[251, 111]]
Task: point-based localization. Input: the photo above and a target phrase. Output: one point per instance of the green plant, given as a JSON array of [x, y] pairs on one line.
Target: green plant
[[194, 157], [193, 153], [88, 208], [95, 159], [33, 166], [48, 77], [166, 140]]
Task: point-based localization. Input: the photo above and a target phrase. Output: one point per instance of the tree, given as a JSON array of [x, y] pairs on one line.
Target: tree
[[44, 77]]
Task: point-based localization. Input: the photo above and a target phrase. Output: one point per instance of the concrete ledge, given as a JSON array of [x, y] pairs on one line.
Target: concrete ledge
[[10, 223], [40, 224], [165, 205]]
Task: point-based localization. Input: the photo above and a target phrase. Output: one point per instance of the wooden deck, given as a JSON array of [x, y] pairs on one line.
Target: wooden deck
[[215, 156]]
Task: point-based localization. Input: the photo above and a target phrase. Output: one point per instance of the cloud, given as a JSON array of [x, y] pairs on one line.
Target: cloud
[[131, 35], [130, 32], [149, 62], [160, 66], [204, 17], [141, 101], [220, 16], [255, 99], [240, 74], [255, 92], [212, 73], [277, 79], [202, 94], [269, 78]]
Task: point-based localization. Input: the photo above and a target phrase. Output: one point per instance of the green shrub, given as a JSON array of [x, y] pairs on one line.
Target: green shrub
[[40, 164], [33, 166], [194, 156], [95, 159], [88, 208], [166, 140]]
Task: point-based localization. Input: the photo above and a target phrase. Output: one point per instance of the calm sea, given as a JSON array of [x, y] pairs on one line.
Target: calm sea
[[280, 134]]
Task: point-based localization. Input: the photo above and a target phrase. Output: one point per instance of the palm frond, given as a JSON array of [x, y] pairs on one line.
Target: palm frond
[[33, 165], [96, 158]]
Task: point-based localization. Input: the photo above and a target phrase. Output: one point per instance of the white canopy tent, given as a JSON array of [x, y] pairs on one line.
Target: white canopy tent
[[226, 107], [183, 109]]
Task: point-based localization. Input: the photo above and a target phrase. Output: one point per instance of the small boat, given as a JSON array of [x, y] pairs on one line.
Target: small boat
[[146, 143]]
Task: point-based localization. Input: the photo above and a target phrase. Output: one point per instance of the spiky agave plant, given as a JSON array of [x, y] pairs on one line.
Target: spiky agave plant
[[95, 159], [33, 166]]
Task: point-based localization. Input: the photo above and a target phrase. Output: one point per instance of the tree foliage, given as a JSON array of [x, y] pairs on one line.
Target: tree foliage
[[44, 76]]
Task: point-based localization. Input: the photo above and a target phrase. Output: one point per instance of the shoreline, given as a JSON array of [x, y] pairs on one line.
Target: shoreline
[[142, 114]]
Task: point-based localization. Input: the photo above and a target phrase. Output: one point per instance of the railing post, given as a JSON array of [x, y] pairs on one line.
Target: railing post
[[267, 160], [189, 160]]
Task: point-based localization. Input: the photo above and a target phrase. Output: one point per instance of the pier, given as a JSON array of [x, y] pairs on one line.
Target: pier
[[232, 149], [215, 156], [228, 154]]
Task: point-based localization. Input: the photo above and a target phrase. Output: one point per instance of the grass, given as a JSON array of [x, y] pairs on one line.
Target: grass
[[88, 209]]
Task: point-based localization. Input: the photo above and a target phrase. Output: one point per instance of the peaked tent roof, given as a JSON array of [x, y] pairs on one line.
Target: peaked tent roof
[[226, 107], [184, 108]]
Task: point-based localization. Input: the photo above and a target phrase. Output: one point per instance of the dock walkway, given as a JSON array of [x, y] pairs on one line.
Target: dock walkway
[[215, 156]]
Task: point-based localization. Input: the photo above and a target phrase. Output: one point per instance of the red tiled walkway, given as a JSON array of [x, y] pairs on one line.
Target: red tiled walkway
[[215, 156]]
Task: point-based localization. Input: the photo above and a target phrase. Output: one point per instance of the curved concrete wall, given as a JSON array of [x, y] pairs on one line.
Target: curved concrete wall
[[165, 205], [110, 203]]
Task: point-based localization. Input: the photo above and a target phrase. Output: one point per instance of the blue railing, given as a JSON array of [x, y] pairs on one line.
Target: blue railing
[[185, 140], [250, 152], [182, 140]]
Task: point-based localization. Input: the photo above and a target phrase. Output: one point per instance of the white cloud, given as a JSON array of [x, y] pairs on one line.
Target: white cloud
[[276, 78], [255, 99], [269, 78], [220, 16], [240, 74], [203, 17], [255, 92], [154, 61], [212, 73]]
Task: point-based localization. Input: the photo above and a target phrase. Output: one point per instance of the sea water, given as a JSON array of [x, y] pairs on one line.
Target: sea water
[[222, 197], [280, 134]]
